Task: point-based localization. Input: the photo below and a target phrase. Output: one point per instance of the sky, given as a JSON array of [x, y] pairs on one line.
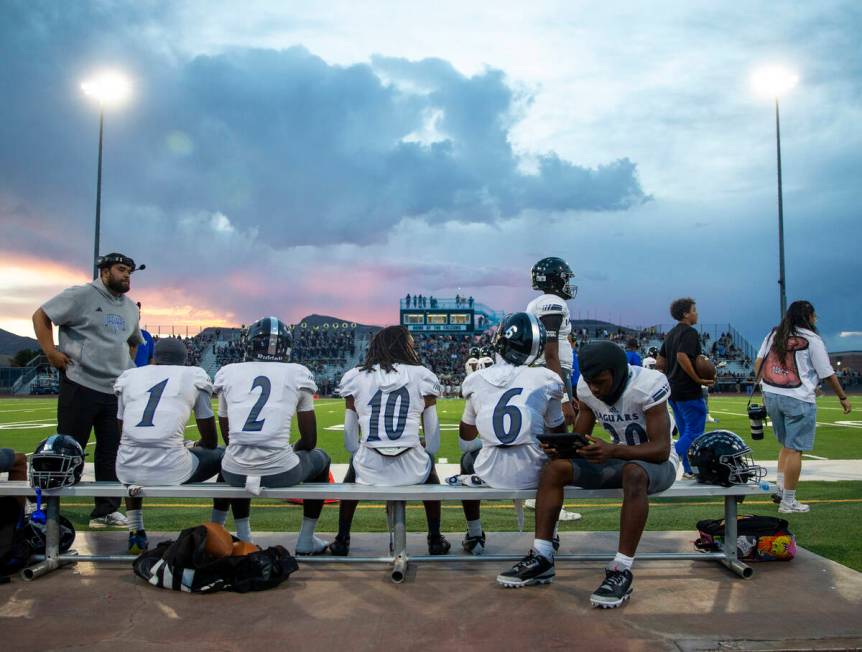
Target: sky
[[296, 158]]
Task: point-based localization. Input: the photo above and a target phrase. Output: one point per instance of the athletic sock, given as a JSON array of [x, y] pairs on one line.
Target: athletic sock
[[305, 540], [788, 496], [243, 529], [621, 562], [474, 528], [544, 548], [219, 516], [136, 519], [780, 482]]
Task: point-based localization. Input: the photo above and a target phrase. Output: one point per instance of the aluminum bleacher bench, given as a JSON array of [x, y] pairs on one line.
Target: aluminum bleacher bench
[[397, 498]]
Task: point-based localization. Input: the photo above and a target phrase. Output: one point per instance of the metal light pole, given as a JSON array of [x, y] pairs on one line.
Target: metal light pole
[[99, 197], [108, 89], [773, 81]]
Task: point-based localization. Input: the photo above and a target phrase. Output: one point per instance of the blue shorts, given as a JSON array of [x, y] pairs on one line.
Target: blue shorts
[[7, 459], [793, 421]]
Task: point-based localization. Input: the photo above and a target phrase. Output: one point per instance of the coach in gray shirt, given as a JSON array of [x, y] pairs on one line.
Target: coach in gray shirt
[[99, 333]]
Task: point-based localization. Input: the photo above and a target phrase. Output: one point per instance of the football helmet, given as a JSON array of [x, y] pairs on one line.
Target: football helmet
[[34, 534], [652, 352], [552, 275], [268, 340], [520, 339], [721, 457], [57, 462], [475, 352]]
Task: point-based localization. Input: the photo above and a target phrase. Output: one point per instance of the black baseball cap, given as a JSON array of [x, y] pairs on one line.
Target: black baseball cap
[[115, 258]]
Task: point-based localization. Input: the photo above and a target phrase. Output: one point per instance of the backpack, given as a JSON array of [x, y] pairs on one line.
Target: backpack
[[758, 538], [185, 565]]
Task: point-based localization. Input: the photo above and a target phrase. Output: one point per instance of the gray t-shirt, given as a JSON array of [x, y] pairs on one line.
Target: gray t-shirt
[[96, 329]]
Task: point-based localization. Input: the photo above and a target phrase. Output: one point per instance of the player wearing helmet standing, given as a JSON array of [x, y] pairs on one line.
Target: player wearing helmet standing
[[552, 277], [649, 361], [507, 405], [258, 399]]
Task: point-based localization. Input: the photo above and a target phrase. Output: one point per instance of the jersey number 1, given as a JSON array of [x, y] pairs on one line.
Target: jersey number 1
[[155, 393]]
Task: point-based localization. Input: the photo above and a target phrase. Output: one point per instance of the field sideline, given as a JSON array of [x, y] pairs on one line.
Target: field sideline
[[833, 528]]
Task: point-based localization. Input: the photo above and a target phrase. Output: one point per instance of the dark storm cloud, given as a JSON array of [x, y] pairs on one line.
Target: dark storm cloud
[[303, 151]]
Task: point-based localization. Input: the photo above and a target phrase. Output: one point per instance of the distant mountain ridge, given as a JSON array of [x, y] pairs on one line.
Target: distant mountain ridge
[[10, 343]]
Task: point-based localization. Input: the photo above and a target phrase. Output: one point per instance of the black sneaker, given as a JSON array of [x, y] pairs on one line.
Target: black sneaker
[[616, 589], [474, 545], [340, 547], [437, 545], [532, 569], [776, 498]]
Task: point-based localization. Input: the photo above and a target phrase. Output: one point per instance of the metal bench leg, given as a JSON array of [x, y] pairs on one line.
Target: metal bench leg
[[398, 509], [52, 543], [730, 559]]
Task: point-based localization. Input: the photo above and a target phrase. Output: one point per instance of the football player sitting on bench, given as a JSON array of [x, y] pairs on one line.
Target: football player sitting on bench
[[507, 405], [631, 404], [385, 399]]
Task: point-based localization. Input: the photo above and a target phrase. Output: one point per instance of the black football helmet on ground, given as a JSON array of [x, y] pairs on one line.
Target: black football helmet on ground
[[35, 535], [520, 338], [58, 461], [552, 275], [268, 340], [721, 457]]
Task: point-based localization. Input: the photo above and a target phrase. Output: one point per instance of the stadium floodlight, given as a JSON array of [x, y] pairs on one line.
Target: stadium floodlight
[[774, 81], [108, 89]]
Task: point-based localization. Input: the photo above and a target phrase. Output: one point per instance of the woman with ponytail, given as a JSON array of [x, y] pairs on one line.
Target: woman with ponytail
[[792, 361]]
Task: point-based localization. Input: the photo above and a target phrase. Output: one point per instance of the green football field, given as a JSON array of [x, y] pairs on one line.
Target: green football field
[[832, 528]]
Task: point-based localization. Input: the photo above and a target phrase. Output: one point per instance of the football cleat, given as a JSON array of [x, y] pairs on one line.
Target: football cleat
[[532, 569], [340, 547], [616, 589], [474, 545], [318, 547], [437, 545], [138, 542]]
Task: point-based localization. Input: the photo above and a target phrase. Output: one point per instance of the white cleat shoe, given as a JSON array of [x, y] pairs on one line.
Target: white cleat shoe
[[566, 515], [318, 547], [114, 519]]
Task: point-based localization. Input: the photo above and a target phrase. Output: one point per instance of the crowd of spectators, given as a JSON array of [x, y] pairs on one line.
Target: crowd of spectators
[[421, 301], [446, 354]]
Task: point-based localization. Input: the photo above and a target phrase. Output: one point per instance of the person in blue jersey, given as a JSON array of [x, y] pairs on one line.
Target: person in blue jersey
[[145, 351], [632, 355]]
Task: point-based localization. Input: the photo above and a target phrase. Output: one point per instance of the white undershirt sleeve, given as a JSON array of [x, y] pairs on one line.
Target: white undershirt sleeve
[[351, 431], [431, 426]]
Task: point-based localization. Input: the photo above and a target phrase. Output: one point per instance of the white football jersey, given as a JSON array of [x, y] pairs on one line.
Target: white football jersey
[[510, 406], [471, 365], [625, 421], [551, 304], [154, 403], [389, 404], [649, 362], [259, 399]]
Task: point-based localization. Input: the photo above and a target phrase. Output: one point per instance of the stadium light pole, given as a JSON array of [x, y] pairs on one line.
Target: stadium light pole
[[773, 82], [109, 89]]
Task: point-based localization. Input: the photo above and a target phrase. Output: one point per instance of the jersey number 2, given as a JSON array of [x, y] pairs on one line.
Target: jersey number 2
[[252, 424]]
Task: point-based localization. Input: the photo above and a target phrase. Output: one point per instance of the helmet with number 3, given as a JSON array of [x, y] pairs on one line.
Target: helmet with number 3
[[520, 339]]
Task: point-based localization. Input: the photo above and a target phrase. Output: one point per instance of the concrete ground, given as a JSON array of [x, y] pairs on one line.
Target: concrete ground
[[808, 603]]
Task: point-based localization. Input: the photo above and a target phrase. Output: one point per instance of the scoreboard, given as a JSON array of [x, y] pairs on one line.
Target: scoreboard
[[440, 320]]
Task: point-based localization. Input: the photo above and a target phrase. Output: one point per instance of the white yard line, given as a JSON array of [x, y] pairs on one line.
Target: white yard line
[[814, 457]]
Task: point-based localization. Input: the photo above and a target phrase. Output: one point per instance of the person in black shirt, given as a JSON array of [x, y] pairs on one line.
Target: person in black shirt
[[676, 358]]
